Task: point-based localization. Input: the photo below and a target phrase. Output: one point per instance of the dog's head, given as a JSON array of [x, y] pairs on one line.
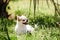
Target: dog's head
[[22, 19]]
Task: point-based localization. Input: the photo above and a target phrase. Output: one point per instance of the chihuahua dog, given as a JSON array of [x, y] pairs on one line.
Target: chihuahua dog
[[22, 25]]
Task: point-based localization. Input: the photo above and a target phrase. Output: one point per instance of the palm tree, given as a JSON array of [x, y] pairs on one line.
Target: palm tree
[[34, 3], [30, 8], [57, 11]]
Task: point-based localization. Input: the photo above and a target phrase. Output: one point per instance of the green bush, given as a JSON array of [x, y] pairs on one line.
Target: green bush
[[43, 20]]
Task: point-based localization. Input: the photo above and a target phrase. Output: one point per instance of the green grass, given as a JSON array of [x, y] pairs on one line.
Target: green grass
[[42, 33]]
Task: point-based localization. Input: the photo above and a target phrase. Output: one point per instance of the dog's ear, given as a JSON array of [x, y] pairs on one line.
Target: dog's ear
[[18, 18]]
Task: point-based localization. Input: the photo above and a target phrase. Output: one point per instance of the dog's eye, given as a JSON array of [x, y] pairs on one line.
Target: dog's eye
[[23, 20]]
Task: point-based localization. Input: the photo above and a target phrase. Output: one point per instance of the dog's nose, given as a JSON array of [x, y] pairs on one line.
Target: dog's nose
[[27, 20]]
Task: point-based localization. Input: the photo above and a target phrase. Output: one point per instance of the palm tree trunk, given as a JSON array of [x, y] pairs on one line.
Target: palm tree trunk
[[47, 3], [34, 2], [57, 12], [30, 8]]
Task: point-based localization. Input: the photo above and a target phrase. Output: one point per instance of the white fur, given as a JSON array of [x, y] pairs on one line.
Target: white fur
[[29, 28], [22, 28]]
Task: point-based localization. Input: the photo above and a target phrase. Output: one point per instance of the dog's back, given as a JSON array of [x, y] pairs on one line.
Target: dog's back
[[29, 28]]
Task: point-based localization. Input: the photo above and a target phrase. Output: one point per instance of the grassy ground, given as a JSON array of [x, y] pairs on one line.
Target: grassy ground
[[43, 33]]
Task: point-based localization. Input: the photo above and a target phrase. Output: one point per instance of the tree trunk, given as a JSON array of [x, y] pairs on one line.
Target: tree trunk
[[3, 12], [34, 3]]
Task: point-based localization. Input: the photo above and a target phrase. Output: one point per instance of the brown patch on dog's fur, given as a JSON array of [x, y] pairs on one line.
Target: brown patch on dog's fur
[[19, 19]]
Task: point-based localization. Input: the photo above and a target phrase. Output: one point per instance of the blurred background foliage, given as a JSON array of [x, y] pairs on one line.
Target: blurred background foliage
[[44, 13]]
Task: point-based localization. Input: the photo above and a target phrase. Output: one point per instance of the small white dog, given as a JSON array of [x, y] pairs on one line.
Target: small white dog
[[22, 27]]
